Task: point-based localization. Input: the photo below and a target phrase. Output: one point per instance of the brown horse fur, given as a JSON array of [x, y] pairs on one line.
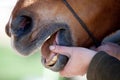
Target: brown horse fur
[[101, 16]]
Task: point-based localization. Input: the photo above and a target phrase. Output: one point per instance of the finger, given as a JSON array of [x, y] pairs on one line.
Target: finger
[[61, 50]]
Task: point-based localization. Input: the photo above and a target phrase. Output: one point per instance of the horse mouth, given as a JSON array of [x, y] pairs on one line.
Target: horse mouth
[[49, 58], [52, 60]]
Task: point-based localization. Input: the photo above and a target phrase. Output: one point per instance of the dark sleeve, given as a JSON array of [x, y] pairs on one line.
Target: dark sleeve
[[104, 67]]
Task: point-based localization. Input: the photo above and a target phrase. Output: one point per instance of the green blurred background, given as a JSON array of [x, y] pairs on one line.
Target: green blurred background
[[12, 65]]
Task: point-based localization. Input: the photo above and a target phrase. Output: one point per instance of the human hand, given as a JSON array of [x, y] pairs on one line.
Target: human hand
[[110, 48], [79, 59]]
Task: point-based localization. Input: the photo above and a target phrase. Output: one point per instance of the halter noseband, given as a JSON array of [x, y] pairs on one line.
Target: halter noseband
[[84, 26]]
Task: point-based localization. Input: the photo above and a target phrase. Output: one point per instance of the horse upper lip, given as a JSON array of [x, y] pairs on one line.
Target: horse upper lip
[[25, 47]]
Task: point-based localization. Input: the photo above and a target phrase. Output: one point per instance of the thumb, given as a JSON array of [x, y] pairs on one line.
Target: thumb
[[61, 50]]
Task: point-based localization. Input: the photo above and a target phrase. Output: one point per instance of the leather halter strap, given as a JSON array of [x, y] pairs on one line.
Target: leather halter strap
[[84, 26]]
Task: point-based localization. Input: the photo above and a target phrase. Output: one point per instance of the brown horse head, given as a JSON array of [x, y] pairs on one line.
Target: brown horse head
[[41, 23]]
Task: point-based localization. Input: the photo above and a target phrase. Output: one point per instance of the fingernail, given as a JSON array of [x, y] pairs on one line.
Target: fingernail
[[52, 47]]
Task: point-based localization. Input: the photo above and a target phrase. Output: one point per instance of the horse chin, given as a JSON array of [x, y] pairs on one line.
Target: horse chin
[[51, 60]]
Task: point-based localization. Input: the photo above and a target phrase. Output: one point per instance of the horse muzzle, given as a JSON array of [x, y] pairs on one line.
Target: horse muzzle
[[22, 28]]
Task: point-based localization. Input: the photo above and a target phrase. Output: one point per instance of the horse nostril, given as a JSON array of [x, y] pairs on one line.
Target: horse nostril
[[21, 26]]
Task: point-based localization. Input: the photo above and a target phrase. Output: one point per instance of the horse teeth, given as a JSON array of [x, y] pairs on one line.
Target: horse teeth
[[55, 58], [53, 61], [47, 38]]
